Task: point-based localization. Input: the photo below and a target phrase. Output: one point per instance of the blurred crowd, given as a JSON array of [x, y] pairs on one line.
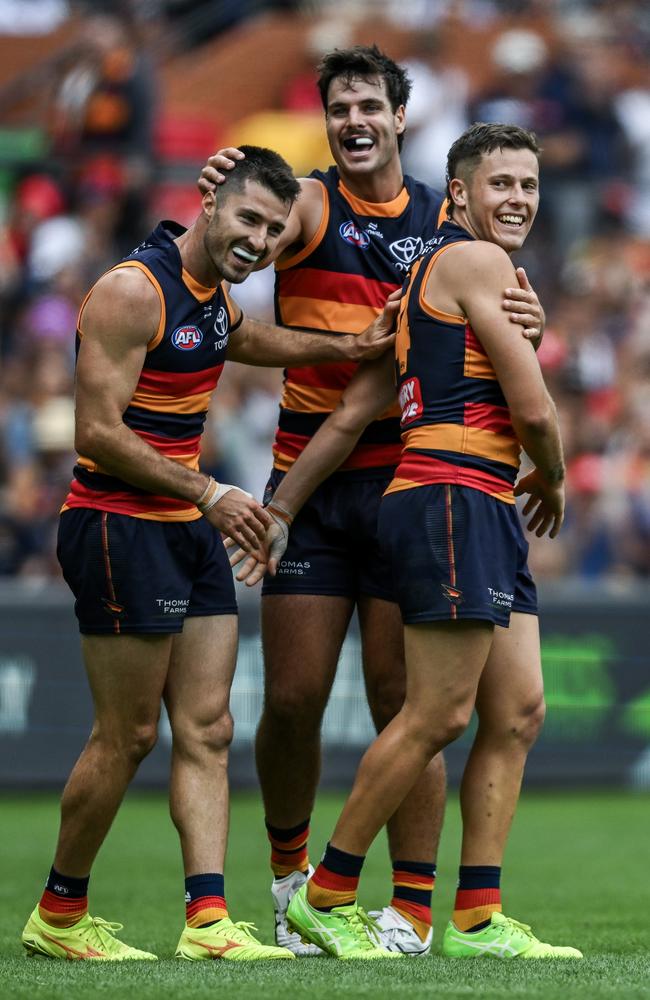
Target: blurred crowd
[[578, 73]]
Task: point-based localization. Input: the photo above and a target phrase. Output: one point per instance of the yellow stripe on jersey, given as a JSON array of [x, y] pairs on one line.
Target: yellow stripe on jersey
[[465, 441]]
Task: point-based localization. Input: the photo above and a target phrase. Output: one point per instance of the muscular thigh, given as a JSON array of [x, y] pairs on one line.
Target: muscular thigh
[[302, 637], [333, 546], [201, 668]]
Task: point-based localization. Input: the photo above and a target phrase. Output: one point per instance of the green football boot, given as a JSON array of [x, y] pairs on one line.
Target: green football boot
[[91, 938], [502, 938], [345, 932], [227, 940]]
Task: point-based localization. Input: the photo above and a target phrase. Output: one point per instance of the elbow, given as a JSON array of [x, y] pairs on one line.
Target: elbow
[[534, 421], [348, 421], [88, 439]]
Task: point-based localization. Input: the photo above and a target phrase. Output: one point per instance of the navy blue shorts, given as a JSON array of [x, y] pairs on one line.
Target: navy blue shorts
[[133, 575], [333, 544], [456, 552]]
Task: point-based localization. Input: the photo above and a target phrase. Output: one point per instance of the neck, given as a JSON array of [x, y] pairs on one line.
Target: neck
[[194, 257], [379, 187]]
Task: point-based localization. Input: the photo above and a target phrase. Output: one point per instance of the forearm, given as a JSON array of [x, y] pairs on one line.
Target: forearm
[[277, 347], [324, 454], [118, 451], [542, 443]]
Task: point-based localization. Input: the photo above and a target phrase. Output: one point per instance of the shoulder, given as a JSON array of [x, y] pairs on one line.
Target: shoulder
[[476, 260], [124, 298]]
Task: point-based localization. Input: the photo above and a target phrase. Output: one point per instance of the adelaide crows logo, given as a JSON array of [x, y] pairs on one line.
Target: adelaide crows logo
[[187, 338], [350, 232]]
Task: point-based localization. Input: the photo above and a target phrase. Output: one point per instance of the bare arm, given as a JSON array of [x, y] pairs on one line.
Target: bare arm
[[476, 288], [524, 308], [119, 320], [368, 394], [257, 343]]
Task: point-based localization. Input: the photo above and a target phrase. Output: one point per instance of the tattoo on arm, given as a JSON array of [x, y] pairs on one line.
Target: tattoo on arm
[[556, 474]]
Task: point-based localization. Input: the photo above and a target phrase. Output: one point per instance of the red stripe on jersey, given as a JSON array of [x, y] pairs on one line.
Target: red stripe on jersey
[[424, 470], [334, 376], [179, 383], [364, 456], [334, 286], [171, 447], [125, 503], [472, 343], [489, 417]]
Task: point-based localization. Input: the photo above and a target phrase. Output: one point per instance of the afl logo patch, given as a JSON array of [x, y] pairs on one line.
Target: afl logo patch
[[353, 235], [187, 338]]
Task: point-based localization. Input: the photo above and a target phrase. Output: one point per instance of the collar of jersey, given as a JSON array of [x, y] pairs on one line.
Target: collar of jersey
[[383, 209], [199, 291]]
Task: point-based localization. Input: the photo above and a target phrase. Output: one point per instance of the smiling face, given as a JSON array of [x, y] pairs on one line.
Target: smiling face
[[362, 127], [497, 199], [243, 229]]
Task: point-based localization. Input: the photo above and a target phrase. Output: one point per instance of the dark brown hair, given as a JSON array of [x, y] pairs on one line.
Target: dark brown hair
[[481, 138], [265, 167], [364, 62]]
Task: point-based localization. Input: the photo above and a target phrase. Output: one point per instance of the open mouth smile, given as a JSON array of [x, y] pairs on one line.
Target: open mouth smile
[[246, 256], [512, 220], [358, 143]]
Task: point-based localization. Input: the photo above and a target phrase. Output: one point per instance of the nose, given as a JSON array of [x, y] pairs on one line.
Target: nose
[[355, 115], [257, 239]]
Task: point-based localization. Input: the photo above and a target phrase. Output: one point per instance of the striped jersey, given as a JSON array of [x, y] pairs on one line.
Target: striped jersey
[[181, 369], [455, 421], [338, 284]]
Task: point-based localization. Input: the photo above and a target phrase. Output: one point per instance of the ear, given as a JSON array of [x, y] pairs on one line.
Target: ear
[[458, 192], [400, 119], [209, 204]]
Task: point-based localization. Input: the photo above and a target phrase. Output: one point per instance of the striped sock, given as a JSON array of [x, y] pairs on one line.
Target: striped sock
[[335, 881], [478, 896], [204, 899], [413, 883], [289, 848], [64, 901]]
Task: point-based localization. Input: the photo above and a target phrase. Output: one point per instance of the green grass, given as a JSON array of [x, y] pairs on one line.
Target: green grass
[[576, 868]]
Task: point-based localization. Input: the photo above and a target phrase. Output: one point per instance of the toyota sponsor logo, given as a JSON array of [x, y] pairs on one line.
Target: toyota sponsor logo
[[406, 251], [350, 232], [221, 322], [187, 338]]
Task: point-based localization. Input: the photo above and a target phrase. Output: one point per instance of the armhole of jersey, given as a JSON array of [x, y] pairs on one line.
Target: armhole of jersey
[[232, 307], [158, 335], [316, 238], [431, 310]]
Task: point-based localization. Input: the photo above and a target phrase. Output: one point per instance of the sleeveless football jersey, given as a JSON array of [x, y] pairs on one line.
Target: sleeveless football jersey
[[181, 369], [455, 421], [338, 284]]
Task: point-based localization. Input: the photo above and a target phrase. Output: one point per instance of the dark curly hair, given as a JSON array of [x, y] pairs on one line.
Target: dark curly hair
[[363, 62]]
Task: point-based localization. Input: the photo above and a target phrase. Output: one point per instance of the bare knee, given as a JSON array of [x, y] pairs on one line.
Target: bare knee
[[434, 731], [526, 727], [210, 734], [384, 700], [520, 725], [294, 708], [132, 743]]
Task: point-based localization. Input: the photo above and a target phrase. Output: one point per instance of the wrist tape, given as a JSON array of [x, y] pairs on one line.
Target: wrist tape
[[220, 490]]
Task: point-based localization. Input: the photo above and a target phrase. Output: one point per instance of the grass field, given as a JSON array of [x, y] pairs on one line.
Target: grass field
[[577, 868]]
